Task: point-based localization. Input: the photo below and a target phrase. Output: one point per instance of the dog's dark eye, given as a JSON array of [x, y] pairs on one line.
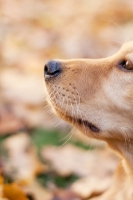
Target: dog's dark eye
[[125, 64]]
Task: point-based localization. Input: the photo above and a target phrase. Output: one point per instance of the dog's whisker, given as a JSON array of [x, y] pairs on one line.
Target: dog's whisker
[[71, 134], [65, 137]]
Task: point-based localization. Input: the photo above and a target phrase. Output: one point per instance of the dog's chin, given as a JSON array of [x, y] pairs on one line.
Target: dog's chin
[[82, 124]]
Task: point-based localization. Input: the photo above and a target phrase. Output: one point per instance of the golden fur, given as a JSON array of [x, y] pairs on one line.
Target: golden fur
[[96, 96]]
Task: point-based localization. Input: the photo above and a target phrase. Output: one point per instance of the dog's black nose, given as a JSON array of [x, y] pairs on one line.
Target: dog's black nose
[[52, 68]]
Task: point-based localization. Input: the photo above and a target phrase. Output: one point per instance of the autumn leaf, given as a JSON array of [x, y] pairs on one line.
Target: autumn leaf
[[13, 192]]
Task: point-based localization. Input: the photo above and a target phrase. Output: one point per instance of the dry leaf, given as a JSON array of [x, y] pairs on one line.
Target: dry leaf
[[21, 161], [9, 123], [92, 185], [38, 192], [13, 192], [65, 195], [69, 159], [96, 165]]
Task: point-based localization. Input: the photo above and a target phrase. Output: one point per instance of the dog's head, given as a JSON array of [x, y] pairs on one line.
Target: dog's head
[[94, 95]]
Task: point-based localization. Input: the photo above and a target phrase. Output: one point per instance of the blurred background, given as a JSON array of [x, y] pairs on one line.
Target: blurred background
[[38, 151]]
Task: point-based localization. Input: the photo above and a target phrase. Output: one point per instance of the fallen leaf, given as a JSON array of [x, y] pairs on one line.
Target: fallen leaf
[[92, 185], [9, 123], [38, 192], [20, 161], [65, 195], [69, 160], [13, 192]]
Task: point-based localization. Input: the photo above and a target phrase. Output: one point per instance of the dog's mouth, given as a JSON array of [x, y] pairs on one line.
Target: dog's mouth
[[89, 125], [66, 113], [75, 121], [83, 123]]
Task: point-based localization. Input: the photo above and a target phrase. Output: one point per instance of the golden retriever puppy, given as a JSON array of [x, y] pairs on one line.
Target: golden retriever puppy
[[96, 96]]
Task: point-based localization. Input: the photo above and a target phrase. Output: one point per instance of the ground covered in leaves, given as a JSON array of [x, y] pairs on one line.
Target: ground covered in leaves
[[39, 159], [44, 167]]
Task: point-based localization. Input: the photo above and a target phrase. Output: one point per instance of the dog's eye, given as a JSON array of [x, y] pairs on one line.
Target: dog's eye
[[125, 64]]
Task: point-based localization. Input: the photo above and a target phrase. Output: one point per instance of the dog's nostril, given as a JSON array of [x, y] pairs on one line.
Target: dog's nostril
[[45, 69], [52, 68]]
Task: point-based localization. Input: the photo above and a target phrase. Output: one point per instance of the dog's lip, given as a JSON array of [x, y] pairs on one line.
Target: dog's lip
[[78, 121], [88, 124], [85, 123]]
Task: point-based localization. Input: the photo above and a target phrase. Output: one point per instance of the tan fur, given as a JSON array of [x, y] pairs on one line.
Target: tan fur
[[100, 92]]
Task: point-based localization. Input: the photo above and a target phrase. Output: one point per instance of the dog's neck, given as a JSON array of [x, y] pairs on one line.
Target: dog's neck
[[124, 175], [125, 150]]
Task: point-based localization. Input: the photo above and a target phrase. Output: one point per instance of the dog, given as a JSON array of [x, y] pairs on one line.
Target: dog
[[96, 96]]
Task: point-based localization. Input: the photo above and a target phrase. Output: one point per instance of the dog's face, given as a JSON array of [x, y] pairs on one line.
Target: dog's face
[[94, 95]]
